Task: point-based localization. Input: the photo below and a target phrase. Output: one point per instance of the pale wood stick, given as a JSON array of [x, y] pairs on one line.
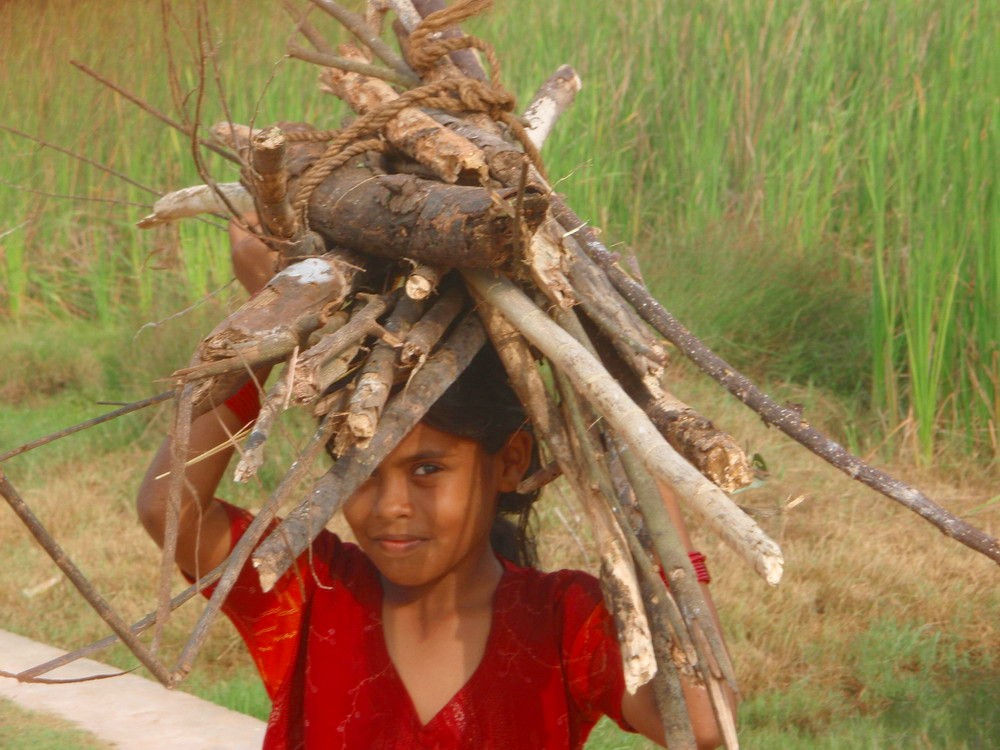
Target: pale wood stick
[[666, 681], [423, 280], [549, 103], [374, 382], [196, 200], [632, 424], [79, 580], [431, 327], [180, 440]]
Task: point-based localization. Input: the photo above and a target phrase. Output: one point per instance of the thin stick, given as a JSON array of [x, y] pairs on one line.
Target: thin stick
[[305, 27], [787, 420], [137, 627], [152, 110], [94, 599], [244, 547], [355, 66], [180, 439], [127, 409], [360, 29], [80, 157]]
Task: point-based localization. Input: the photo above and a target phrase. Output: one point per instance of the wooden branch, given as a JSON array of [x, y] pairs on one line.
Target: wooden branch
[[549, 103], [787, 420], [195, 200], [423, 281], [270, 182], [357, 26], [305, 27], [317, 368], [127, 409], [588, 478], [152, 110], [290, 539], [449, 156], [374, 382], [403, 216], [66, 565], [430, 328], [352, 65], [138, 627], [279, 317], [631, 423], [714, 453]]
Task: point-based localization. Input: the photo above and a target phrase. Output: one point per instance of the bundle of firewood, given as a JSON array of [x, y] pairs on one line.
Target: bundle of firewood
[[406, 240]]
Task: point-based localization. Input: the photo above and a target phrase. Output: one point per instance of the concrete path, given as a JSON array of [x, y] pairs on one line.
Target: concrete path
[[131, 712]]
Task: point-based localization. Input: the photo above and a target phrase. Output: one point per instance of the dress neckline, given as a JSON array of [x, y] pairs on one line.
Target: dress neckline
[[481, 668]]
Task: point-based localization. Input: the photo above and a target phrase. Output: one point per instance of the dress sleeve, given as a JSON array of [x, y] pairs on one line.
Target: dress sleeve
[[591, 656], [270, 622]]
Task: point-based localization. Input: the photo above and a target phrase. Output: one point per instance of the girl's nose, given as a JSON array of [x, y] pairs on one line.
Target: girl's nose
[[391, 498]]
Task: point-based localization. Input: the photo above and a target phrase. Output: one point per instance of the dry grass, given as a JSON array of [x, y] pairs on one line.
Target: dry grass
[[861, 573]]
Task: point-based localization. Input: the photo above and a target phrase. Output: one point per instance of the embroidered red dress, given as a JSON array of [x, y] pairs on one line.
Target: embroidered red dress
[[551, 667]]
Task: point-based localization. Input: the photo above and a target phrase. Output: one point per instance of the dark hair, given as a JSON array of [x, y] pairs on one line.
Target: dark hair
[[481, 405]]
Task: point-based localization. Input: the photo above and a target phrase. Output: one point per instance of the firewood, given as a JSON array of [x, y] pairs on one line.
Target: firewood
[[291, 538]]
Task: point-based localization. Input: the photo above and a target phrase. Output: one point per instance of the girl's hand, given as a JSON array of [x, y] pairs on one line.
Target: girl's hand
[[253, 261]]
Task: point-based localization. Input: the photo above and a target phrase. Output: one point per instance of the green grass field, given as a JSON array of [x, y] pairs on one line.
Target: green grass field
[[811, 187]]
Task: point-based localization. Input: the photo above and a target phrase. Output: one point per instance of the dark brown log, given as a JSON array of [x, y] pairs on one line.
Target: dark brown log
[[403, 216]]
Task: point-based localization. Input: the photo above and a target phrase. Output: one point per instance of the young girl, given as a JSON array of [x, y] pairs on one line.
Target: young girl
[[433, 631]]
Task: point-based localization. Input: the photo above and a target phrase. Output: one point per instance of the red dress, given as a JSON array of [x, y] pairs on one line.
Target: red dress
[[551, 668]]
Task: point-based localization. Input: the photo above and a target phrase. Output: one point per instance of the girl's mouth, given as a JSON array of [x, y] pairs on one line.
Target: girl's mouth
[[397, 545]]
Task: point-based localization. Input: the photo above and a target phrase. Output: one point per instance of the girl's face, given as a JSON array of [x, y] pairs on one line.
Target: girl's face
[[427, 510]]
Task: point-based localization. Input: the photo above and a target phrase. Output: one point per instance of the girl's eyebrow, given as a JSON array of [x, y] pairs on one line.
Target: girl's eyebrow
[[427, 455]]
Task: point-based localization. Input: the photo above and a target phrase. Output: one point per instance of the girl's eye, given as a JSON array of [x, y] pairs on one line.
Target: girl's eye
[[425, 470]]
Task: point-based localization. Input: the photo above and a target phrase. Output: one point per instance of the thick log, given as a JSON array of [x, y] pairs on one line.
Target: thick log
[[280, 317], [403, 216]]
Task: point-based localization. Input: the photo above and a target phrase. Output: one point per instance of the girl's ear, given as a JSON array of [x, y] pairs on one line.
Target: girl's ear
[[515, 458]]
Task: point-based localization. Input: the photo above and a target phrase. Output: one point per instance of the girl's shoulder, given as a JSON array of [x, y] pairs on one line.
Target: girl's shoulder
[[572, 594]]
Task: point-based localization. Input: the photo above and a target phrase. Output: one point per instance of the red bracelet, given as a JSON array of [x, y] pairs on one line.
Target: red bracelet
[[700, 569], [245, 403]]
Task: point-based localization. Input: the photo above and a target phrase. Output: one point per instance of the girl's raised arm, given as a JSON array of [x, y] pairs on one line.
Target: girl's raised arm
[[204, 531]]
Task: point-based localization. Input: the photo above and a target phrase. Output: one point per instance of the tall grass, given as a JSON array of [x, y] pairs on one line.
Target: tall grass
[[840, 155]]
